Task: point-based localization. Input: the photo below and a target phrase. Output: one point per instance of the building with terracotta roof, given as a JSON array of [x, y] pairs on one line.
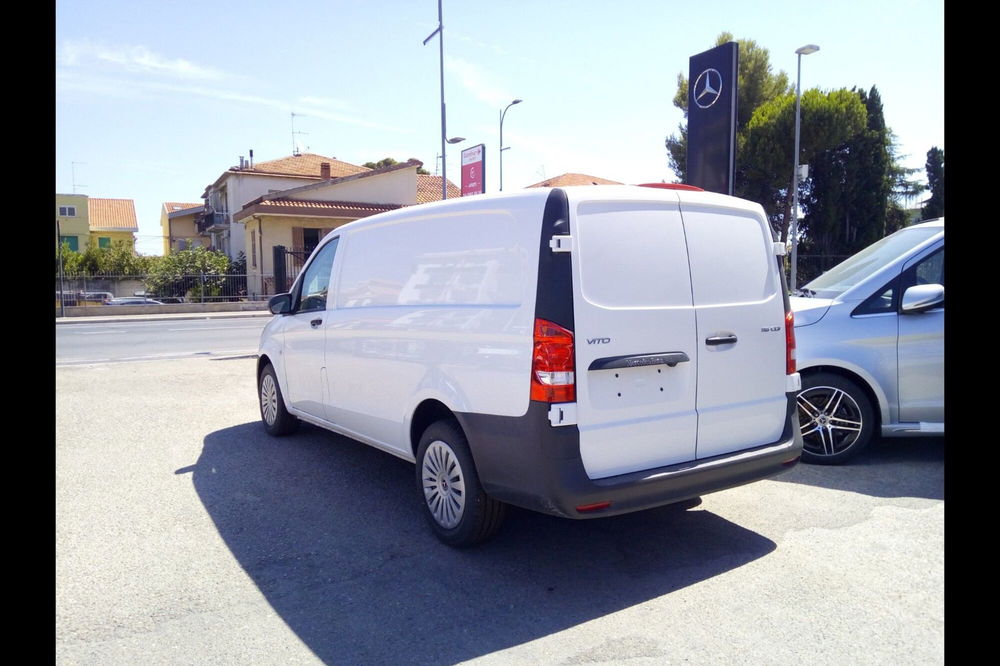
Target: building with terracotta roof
[[291, 222], [84, 220], [238, 185], [568, 179], [180, 231]]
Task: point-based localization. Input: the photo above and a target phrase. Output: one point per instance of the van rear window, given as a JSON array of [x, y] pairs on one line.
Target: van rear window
[[632, 255]]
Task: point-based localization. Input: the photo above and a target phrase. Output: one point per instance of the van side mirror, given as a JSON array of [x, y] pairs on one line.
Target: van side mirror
[[280, 304], [922, 297]]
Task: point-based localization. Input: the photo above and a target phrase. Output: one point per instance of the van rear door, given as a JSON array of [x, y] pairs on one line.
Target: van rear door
[[635, 337], [740, 318]]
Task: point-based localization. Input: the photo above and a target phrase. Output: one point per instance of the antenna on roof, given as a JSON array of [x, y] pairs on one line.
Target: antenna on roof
[[295, 147], [73, 167]]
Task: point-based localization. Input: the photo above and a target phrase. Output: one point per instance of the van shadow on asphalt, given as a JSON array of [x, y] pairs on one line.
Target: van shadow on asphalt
[[331, 532], [889, 467]]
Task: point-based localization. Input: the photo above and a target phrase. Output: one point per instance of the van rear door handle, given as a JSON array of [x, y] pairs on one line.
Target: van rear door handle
[[315, 322], [721, 340], [636, 360]]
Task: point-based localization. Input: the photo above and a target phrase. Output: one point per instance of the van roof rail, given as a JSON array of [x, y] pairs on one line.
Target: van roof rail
[[672, 186]]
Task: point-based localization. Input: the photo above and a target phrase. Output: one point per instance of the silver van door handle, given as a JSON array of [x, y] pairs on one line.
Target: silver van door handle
[[315, 322], [721, 340]]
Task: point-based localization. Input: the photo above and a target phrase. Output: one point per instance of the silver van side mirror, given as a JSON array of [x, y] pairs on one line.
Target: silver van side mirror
[[921, 297]]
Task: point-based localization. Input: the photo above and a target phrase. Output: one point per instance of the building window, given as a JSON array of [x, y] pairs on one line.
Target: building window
[[103, 242], [70, 241], [253, 248], [67, 211]]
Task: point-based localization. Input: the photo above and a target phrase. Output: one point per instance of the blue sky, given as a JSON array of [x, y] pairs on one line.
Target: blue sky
[[154, 100]]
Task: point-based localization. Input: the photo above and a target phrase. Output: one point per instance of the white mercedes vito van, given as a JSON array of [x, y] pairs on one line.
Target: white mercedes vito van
[[579, 351]]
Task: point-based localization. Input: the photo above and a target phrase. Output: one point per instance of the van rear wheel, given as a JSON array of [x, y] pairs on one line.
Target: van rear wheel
[[455, 505]]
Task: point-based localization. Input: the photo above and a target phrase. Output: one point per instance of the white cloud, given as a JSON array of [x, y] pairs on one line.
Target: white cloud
[[136, 59], [477, 81]]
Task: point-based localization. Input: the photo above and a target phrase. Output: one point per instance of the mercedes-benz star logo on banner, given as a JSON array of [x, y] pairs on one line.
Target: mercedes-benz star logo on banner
[[707, 88]]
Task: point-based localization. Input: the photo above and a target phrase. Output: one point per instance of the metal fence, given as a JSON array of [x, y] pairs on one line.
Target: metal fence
[[83, 290]]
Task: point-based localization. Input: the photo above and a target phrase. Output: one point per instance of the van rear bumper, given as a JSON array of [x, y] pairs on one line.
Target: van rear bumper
[[529, 463]]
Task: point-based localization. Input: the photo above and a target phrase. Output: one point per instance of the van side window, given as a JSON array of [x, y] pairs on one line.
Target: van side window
[[316, 280]]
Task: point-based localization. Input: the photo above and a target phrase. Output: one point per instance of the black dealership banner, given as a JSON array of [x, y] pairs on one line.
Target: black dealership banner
[[711, 150]]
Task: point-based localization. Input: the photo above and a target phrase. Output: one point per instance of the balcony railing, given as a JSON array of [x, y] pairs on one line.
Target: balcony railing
[[214, 221]]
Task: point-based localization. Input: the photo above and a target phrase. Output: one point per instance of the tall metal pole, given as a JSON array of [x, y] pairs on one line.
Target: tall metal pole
[[794, 226], [795, 180], [502, 114], [440, 33]]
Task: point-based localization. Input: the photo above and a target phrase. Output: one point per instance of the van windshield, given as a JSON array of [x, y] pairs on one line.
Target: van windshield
[[868, 261]]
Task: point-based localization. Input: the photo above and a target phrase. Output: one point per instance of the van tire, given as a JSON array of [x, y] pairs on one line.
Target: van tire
[[455, 505], [276, 419], [836, 418]]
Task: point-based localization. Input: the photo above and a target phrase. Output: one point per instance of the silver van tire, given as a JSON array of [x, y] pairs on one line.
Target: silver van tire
[[273, 414], [836, 418], [455, 505]]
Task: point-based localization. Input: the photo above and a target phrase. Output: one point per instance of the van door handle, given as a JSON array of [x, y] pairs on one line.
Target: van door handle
[[635, 360], [315, 322], [721, 340]]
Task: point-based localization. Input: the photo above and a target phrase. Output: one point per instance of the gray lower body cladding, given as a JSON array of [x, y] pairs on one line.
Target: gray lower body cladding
[[527, 462]]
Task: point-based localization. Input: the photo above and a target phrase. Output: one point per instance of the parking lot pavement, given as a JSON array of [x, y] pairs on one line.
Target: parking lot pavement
[[184, 534]]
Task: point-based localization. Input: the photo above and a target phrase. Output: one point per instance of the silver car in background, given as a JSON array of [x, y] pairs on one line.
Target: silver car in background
[[870, 345]]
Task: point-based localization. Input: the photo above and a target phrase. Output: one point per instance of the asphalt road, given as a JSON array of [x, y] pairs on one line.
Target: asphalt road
[[137, 338], [185, 535]]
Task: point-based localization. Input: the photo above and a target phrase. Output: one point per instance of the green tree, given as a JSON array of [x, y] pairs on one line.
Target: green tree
[[850, 187], [192, 273], [387, 162], [827, 120], [934, 207]]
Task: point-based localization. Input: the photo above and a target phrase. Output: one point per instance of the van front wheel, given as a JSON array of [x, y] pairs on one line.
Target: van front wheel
[[457, 508]]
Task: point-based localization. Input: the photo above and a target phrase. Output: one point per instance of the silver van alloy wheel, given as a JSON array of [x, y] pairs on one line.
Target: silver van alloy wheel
[[830, 418], [444, 484], [268, 399]]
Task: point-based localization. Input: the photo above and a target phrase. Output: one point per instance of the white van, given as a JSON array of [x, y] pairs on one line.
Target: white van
[[579, 351]]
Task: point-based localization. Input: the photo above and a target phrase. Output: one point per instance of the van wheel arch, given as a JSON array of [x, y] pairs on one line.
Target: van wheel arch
[[425, 415]]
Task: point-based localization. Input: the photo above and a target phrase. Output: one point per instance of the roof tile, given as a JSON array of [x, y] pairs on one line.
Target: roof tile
[[568, 179], [429, 189], [112, 214]]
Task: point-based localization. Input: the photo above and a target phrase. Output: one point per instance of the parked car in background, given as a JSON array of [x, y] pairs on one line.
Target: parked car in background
[[870, 343], [133, 300]]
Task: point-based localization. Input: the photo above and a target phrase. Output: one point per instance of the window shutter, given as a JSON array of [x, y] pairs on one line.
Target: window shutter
[[298, 242]]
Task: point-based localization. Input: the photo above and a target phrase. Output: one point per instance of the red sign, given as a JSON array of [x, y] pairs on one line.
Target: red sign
[[473, 170]]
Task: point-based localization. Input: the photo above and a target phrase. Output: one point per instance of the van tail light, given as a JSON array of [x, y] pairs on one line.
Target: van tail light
[[553, 376], [789, 343]]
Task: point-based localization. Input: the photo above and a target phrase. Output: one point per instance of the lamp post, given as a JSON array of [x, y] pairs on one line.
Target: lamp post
[[502, 114], [439, 31], [801, 51]]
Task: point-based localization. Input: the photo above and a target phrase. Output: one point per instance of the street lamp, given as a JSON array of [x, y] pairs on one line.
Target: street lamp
[[502, 114], [440, 33], [801, 51]]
